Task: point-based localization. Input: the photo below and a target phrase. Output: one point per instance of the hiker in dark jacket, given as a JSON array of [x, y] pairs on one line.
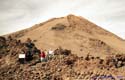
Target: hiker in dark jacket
[[29, 43], [29, 55]]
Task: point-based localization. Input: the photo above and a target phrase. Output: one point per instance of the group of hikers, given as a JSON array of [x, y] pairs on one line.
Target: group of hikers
[[29, 50], [43, 56]]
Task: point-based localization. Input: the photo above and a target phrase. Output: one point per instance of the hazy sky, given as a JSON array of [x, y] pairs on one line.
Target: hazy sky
[[19, 14]]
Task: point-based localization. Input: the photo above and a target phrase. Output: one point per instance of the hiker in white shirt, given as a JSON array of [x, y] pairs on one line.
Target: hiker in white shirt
[[22, 57], [50, 54]]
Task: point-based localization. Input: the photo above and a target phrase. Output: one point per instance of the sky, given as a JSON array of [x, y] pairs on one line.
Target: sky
[[20, 14]]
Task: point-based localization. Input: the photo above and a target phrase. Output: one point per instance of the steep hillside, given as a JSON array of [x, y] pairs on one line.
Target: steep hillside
[[88, 52], [74, 33]]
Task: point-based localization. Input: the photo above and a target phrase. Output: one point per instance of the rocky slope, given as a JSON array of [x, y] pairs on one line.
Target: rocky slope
[[63, 66], [95, 53]]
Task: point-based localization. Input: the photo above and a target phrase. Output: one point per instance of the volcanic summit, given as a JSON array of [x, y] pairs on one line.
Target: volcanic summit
[[74, 33], [82, 51]]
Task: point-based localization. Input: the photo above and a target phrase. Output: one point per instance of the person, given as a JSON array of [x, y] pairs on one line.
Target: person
[[42, 56], [22, 57], [29, 55], [29, 43], [50, 54]]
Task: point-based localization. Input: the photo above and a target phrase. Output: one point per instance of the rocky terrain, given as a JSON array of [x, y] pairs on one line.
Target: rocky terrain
[[83, 51]]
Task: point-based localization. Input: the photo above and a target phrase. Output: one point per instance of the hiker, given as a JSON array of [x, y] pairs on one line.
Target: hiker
[[29, 55], [50, 54], [30, 49], [22, 57], [42, 56], [29, 43]]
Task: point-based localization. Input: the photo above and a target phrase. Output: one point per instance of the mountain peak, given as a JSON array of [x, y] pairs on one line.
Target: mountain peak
[[71, 15], [74, 33], [81, 24]]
